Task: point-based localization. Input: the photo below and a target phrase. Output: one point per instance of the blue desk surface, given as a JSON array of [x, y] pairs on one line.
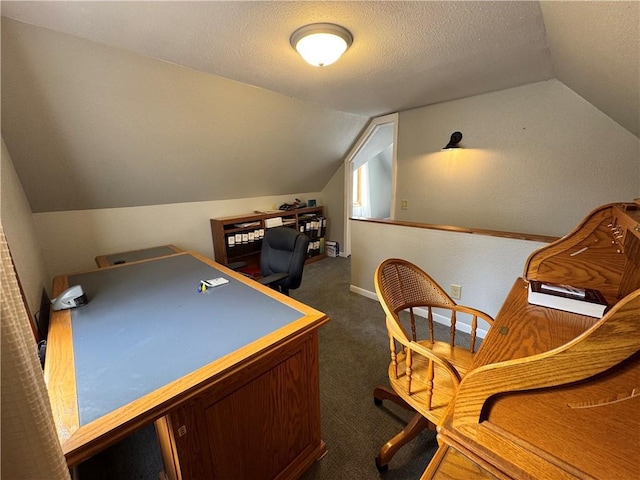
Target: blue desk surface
[[147, 325]]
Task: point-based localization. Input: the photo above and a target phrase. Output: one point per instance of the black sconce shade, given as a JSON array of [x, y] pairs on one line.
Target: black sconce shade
[[453, 142]]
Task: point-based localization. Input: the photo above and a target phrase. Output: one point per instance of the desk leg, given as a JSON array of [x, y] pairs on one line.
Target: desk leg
[[168, 449]]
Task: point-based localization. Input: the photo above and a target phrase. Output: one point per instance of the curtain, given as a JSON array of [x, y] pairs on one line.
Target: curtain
[[30, 446]]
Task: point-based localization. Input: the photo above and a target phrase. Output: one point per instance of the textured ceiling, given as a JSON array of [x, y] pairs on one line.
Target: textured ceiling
[[404, 54], [596, 52]]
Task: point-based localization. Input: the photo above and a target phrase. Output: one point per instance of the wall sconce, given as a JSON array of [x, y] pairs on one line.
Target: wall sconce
[[454, 141], [321, 44]]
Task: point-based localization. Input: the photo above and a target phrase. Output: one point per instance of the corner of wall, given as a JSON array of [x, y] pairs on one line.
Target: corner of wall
[[333, 198], [22, 238]]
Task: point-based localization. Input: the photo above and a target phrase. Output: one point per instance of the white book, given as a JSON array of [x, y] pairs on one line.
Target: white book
[[584, 301], [273, 222]]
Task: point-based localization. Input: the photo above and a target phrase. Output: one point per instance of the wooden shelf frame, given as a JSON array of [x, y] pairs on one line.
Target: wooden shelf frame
[[222, 228]]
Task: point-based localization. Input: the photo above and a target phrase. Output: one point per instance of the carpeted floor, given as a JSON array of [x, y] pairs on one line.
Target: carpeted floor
[[354, 357]]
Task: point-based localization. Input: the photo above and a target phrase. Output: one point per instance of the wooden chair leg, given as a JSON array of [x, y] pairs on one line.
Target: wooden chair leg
[[388, 450], [384, 393]]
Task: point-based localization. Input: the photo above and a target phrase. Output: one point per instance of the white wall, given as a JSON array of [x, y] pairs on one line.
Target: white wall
[[21, 235], [71, 240], [535, 160], [484, 266], [333, 197], [380, 183]]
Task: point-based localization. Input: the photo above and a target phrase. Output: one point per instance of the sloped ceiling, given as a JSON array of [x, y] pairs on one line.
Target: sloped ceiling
[[596, 52], [108, 104]]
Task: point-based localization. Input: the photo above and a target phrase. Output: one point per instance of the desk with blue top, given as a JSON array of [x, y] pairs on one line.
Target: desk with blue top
[[228, 375]]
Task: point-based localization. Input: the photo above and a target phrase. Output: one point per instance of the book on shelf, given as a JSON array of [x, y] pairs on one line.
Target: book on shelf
[[273, 222], [584, 301], [246, 224]]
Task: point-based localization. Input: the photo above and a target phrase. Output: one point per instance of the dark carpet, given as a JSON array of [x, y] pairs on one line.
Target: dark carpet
[[354, 356]]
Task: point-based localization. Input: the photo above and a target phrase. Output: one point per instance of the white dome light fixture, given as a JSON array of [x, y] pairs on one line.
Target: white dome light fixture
[[321, 44]]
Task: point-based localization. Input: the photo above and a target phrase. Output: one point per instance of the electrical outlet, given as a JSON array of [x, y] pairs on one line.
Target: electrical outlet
[[456, 291], [404, 204]]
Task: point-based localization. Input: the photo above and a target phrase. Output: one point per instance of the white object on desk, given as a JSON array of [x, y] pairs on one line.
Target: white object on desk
[[214, 282], [70, 298]]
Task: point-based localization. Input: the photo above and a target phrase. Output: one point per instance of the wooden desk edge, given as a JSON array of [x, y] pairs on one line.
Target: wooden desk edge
[[62, 368], [470, 467]]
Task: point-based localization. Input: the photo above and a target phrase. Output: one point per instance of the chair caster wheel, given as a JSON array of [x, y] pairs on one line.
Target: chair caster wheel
[[377, 401], [381, 468]]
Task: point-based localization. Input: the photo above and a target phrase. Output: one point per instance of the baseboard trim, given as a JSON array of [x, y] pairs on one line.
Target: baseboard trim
[[363, 292], [421, 312]]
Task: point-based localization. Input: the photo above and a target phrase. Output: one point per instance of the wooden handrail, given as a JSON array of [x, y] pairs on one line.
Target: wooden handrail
[[450, 228]]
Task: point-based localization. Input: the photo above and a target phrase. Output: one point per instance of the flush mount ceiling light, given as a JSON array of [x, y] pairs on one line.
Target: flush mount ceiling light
[[455, 139], [321, 44]]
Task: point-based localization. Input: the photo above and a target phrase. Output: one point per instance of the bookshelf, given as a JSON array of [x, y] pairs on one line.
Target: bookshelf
[[239, 238]]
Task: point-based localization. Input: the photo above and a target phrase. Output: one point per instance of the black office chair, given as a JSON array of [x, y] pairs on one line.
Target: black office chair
[[282, 258]]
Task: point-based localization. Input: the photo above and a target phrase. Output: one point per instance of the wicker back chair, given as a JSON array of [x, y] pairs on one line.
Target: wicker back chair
[[424, 372]]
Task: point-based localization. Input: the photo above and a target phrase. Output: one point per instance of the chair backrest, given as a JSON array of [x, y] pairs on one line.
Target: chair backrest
[[402, 286], [284, 250]]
